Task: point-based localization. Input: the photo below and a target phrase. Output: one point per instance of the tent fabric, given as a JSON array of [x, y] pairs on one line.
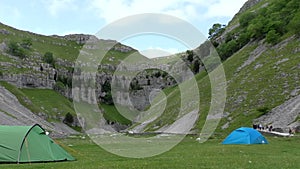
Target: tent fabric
[[29, 144], [245, 135]]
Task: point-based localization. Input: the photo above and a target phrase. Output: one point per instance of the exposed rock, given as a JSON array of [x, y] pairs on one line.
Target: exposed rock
[[248, 5], [4, 31], [3, 46], [225, 126], [282, 116], [282, 60], [254, 55], [295, 92]]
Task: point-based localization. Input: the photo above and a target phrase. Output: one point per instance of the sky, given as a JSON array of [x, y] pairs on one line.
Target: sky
[[61, 17]]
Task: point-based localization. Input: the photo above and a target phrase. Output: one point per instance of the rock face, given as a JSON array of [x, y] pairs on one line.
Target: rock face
[[136, 90], [248, 5], [282, 116], [13, 113]]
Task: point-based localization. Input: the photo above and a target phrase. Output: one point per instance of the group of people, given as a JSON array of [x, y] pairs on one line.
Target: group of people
[[261, 127], [270, 128]]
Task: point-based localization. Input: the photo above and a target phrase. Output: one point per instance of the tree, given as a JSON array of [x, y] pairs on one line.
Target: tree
[[216, 30], [106, 88], [196, 66], [69, 119], [190, 55]]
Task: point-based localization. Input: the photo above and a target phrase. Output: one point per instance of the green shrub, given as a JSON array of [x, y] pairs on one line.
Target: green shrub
[[294, 24], [69, 119], [48, 58], [272, 37], [263, 110], [59, 86], [190, 55], [246, 18], [15, 49], [196, 66], [26, 43]]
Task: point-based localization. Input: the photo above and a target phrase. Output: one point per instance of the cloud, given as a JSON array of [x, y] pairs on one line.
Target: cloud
[[56, 6], [190, 10], [224, 8], [154, 52], [111, 10]]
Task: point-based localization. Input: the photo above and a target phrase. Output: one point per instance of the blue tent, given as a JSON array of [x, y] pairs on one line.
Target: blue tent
[[245, 135]]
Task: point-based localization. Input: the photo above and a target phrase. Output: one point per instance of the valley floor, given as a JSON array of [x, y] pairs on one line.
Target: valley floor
[[281, 152]]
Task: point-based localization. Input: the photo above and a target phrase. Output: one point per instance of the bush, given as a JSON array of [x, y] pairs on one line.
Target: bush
[[263, 110], [196, 66], [26, 43], [246, 18], [225, 50], [15, 49], [69, 119], [190, 55], [243, 39], [106, 87], [272, 37], [48, 58], [59, 86], [256, 29], [294, 24]]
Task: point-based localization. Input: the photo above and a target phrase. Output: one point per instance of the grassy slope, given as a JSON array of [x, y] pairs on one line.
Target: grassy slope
[[280, 153], [48, 101], [112, 114], [264, 87], [42, 100], [60, 48]]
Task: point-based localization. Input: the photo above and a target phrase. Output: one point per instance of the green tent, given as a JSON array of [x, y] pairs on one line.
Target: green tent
[[29, 144]]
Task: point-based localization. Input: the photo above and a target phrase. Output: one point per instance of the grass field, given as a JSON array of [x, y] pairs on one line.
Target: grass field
[[279, 153]]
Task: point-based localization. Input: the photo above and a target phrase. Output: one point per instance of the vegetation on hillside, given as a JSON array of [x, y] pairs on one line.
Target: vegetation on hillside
[[254, 86], [270, 22]]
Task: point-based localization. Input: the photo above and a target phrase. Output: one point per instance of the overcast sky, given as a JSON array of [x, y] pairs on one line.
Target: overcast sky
[[63, 17]]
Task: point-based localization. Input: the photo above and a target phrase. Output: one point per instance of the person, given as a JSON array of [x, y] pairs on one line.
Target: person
[[270, 128], [260, 127]]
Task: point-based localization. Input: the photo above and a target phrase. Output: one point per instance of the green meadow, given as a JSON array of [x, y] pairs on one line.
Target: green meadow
[[279, 153]]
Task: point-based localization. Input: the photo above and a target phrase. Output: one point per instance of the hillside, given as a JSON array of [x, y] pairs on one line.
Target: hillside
[[259, 49], [262, 73]]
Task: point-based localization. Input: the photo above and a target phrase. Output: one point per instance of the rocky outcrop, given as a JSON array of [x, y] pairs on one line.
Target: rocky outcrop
[[249, 4], [282, 116]]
